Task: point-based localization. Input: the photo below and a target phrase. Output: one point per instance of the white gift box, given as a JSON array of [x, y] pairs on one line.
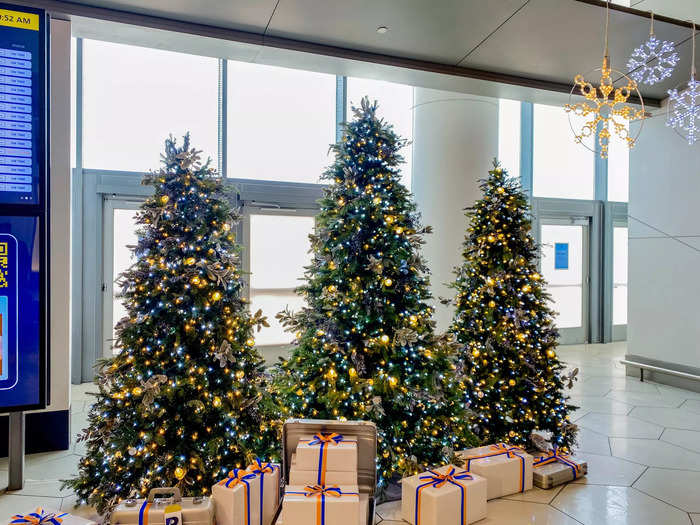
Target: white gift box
[[237, 499], [327, 451], [364, 511], [507, 469], [298, 476], [316, 505], [269, 475], [447, 495], [50, 517]]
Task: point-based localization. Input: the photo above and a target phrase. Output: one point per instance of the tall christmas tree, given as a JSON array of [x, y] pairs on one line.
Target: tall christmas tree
[[365, 343], [504, 324], [182, 401]]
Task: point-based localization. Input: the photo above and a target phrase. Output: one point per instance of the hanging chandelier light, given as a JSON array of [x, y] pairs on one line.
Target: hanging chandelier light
[[684, 105], [654, 60], [605, 112]]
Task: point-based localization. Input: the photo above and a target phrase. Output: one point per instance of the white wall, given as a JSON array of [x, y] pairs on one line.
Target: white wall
[[664, 273], [455, 138]]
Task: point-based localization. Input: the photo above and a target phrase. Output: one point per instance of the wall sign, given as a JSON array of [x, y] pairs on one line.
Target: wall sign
[[561, 256], [23, 209]]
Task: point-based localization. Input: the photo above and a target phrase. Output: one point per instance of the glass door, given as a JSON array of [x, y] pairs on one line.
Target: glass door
[[565, 267], [119, 236]]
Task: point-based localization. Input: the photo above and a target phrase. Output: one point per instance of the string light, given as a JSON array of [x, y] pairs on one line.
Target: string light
[[654, 60], [684, 105]]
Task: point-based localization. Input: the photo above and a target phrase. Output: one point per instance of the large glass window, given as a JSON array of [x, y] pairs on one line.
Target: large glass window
[[134, 97], [619, 275], [280, 122], [561, 167], [279, 251], [509, 135], [618, 169], [395, 105]]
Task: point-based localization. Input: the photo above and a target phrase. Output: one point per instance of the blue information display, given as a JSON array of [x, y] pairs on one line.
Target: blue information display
[[22, 95], [20, 312], [23, 209], [561, 256]]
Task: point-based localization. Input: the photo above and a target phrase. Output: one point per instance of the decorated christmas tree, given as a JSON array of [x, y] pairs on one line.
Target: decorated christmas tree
[[365, 345], [182, 401], [504, 324]]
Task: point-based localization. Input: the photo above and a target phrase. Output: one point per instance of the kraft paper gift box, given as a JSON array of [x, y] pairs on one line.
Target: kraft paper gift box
[[317, 505], [364, 511], [49, 517], [446, 496], [327, 452], [298, 476], [237, 498], [269, 474], [554, 468], [507, 469]]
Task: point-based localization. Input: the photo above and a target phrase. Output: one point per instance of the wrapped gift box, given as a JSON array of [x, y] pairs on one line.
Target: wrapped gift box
[[364, 511], [448, 495], [49, 517], [298, 476], [507, 469], [318, 505], [556, 468], [327, 451], [269, 474], [236, 498]]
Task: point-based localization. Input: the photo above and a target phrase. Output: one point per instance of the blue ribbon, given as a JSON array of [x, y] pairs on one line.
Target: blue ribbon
[[39, 517], [324, 440], [438, 480], [556, 457]]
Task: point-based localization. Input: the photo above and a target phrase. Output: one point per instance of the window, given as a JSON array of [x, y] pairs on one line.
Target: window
[[279, 251], [561, 167], [134, 97], [619, 275], [618, 169], [509, 136], [280, 122], [395, 106]]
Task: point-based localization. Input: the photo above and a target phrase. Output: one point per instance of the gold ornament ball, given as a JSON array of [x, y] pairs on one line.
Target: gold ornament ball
[[180, 473], [388, 282], [164, 199], [551, 353], [216, 296], [216, 402], [511, 382], [384, 339], [492, 304], [190, 261], [250, 342]]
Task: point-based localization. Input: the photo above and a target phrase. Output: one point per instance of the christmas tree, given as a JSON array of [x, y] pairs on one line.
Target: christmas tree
[[504, 324], [365, 345], [182, 401]]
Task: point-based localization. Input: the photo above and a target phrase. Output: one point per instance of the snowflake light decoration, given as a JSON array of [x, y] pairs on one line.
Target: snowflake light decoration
[[654, 60], [614, 113], [684, 106]]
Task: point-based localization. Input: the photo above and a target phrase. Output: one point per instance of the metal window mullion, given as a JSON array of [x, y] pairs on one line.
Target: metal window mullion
[[341, 105], [526, 147], [77, 353], [222, 105], [601, 169]]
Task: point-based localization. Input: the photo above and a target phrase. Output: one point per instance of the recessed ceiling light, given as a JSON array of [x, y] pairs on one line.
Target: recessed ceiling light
[[382, 30]]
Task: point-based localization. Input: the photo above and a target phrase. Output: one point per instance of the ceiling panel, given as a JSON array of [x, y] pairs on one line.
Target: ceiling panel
[[441, 31], [243, 15], [554, 40]]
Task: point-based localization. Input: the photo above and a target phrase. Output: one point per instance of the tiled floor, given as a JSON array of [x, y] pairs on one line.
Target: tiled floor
[[641, 441]]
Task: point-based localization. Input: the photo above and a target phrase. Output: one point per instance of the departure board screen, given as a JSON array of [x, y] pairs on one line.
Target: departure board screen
[[22, 112]]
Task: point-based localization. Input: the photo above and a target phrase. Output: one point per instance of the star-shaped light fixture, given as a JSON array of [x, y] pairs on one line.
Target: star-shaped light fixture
[[654, 60], [684, 106]]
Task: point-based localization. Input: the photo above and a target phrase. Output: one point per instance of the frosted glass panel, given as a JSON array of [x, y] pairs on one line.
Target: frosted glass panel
[[279, 251], [564, 274], [509, 135], [134, 97], [395, 106], [124, 237], [280, 122], [619, 275], [618, 169], [561, 167]]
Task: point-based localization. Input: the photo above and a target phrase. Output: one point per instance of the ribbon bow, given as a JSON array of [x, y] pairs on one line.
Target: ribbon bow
[[321, 491], [39, 517], [554, 456], [438, 480], [261, 467], [508, 450], [329, 439]]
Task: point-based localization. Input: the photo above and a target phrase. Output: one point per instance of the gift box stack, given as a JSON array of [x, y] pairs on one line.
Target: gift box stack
[[248, 496], [323, 486]]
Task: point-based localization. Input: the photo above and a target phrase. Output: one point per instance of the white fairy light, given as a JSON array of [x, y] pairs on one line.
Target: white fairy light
[[684, 106], [654, 60]]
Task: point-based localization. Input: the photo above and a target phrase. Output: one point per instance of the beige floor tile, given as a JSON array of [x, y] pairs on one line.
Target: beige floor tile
[[677, 392], [42, 487], [674, 417], [655, 453], [599, 505], [695, 518], [604, 405], [679, 488], [54, 469], [608, 470], [691, 405], [69, 505], [689, 439], [613, 425], [581, 389], [536, 495], [592, 442], [626, 383], [506, 512], [645, 399], [390, 510], [11, 504], [578, 414]]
